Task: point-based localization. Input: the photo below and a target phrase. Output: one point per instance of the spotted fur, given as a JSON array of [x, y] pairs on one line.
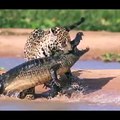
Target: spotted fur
[[44, 43]]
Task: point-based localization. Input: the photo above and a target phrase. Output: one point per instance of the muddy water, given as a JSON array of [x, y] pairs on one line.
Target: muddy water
[[92, 100]]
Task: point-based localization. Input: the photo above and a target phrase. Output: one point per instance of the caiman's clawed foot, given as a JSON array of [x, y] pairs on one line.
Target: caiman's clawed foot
[[75, 86], [27, 94], [47, 85], [71, 80], [70, 88], [54, 91], [53, 72], [11, 94], [30, 97], [51, 93]]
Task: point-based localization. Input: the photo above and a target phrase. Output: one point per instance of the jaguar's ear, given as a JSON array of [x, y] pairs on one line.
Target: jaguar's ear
[[54, 30]]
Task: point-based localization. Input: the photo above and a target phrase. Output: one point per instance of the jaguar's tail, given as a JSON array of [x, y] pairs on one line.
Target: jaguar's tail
[[70, 27]]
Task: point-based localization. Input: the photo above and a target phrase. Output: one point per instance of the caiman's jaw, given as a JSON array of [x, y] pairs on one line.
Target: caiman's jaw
[[75, 41], [81, 52], [78, 52]]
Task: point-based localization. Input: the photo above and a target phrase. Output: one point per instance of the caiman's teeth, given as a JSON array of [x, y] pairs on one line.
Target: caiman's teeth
[[87, 48]]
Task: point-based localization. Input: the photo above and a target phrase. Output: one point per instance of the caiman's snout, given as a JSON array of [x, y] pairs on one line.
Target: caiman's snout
[[74, 44], [77, 39]]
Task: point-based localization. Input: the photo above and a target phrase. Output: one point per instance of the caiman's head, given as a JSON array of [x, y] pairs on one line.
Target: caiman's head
[[63, 41], [75, 43]]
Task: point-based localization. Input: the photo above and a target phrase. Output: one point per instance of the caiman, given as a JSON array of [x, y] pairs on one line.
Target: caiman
[[38, 71], [45, 43]]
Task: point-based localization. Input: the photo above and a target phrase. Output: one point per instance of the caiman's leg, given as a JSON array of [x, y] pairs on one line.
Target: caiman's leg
[[69, 77], [11, 93], [28, 94], [72, 84], [54, 84], [71, 80], [74, 43]]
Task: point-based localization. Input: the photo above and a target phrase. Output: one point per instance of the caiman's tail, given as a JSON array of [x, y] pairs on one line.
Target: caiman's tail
[[68, 28]]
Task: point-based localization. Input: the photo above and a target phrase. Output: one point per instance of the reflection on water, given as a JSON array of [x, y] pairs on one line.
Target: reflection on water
[[94, 101], [8, 63]]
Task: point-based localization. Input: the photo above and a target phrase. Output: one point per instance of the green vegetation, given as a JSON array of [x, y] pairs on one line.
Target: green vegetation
[[109, 57], [108, 20]]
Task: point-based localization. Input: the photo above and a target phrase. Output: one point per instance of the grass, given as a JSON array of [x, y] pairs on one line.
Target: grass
[[109, 57], [108, 20]]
